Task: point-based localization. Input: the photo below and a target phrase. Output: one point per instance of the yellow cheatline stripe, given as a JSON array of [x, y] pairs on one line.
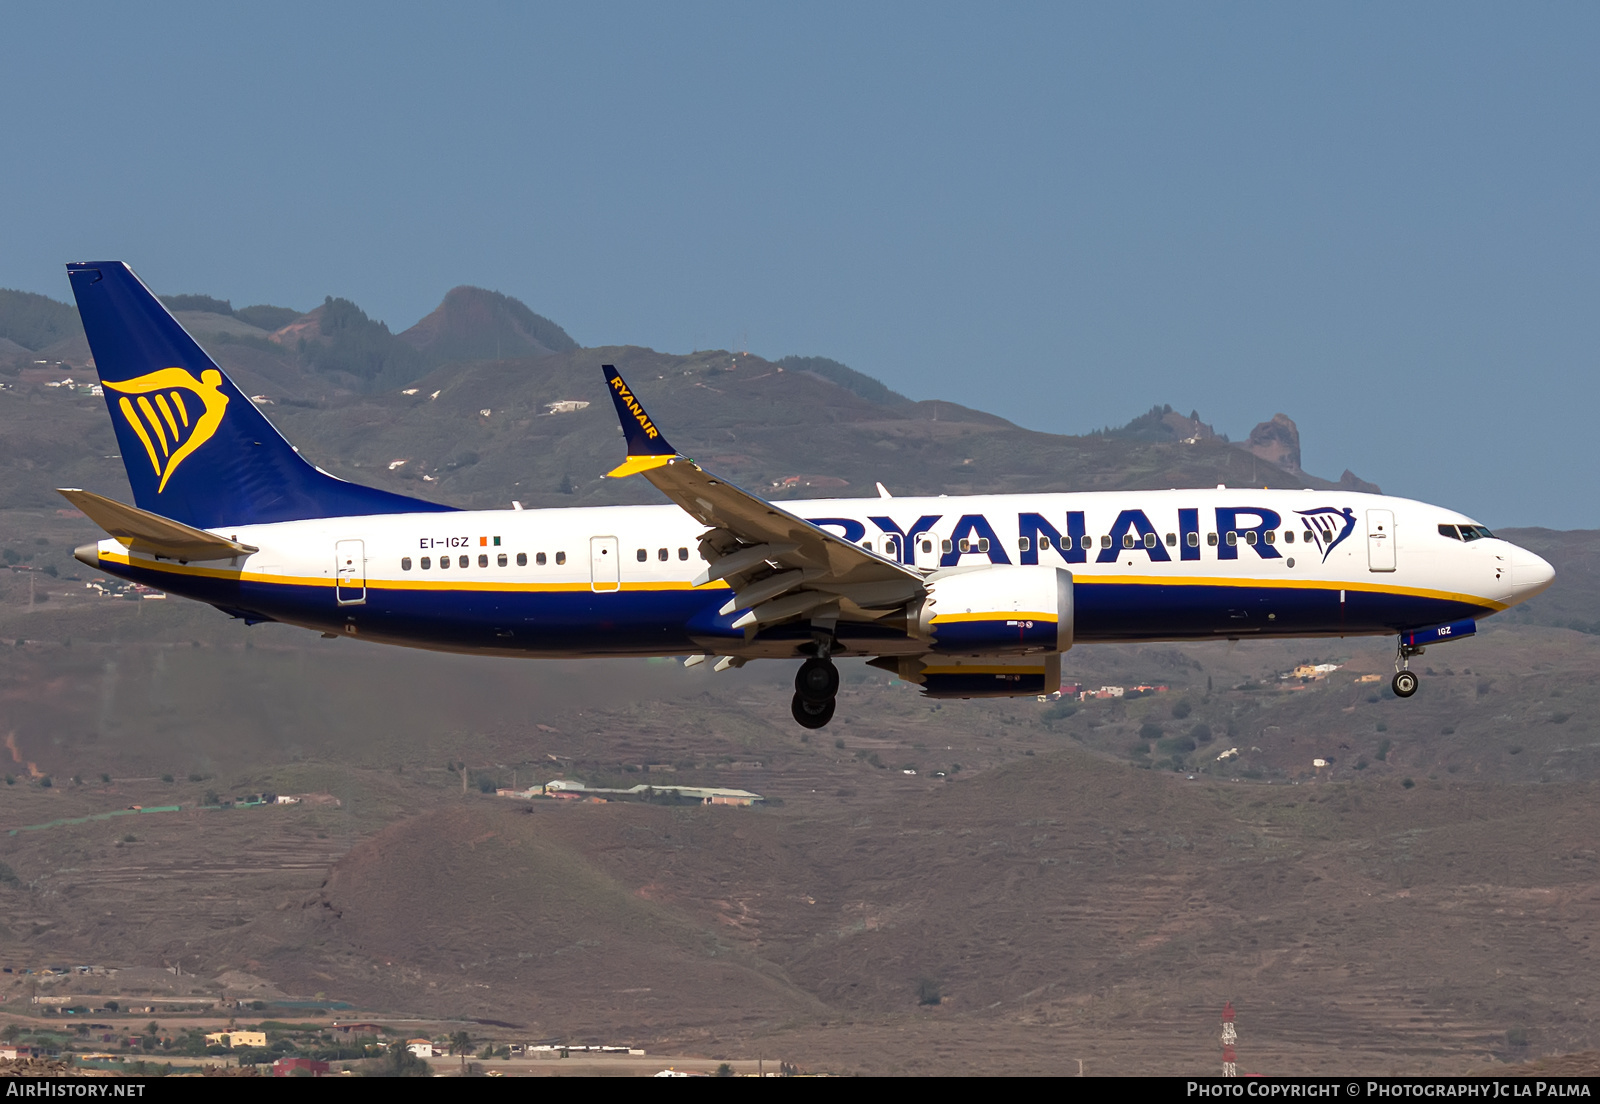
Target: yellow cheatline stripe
[[473, 586], [635, 464], [1290, 584], [1024, 616], [442, 584], [129, 413]]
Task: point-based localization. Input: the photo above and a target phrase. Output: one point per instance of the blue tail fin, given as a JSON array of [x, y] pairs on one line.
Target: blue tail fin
[[196, 448]]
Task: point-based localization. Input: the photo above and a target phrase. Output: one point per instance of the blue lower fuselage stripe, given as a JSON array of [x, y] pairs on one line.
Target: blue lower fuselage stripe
[[673, 621]]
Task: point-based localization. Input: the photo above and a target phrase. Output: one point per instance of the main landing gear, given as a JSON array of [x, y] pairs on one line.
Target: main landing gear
[[1404, 683], [815, 685]]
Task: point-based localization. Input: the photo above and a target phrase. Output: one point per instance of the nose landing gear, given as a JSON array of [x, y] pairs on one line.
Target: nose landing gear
[[1404, 683], [815, 686]]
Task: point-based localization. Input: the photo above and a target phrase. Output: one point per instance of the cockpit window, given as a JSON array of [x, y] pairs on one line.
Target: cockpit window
[[1474, 532], [1449, 531]]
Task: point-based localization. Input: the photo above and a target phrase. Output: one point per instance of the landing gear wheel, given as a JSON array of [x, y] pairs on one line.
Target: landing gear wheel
[[1404, 684], [811, 714], [816, 682]]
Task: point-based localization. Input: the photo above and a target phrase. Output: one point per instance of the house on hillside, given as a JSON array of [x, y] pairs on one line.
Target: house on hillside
[[422, 1048], [235, 1039], [289, 1067]]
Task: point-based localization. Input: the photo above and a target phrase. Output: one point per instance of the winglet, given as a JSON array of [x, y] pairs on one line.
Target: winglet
[[647, 448]]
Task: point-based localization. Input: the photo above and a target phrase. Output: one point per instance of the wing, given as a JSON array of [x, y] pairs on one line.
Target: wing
[[781, 567]]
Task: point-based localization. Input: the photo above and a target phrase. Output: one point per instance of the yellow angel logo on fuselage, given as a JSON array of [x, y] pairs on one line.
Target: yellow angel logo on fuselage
[[162, 418]]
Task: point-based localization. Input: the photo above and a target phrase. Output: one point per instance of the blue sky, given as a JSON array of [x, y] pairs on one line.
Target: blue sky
[[1379, 219]]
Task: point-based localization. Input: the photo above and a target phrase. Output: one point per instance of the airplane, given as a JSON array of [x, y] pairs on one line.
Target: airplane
[[966, 597]]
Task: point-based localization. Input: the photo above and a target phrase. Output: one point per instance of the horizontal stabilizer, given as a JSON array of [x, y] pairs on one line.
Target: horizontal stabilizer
[[146, 532]]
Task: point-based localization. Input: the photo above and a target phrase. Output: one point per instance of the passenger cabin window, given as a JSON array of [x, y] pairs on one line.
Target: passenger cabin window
[[427, 562], [561, 558], [1272, 536], [661, 554], [1250, 536], [462, 562], [1194, 540], [1105, 541], [483, 559], [1149, 540], [522, 559], [1288, 536], [1233, 538], [641, 555], [1211, 539], [500, 560], [944, 546], [444, 562], [1172, 540], [1127, 540], [1086, 543], [405, 563], [537, 559], [683, 553], [927, 546], [983, 544], [966, 546]]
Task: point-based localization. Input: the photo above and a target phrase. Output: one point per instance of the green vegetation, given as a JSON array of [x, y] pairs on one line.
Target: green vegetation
[[266, 317], [1058, 711], [355, 344], [204, 303], [35, 321], [503, 327], [929, 991], [8, 877], [400, 1062], [845, 376]]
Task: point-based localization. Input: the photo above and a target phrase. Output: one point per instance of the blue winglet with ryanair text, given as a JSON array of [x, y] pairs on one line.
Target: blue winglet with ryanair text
[[647, 448]]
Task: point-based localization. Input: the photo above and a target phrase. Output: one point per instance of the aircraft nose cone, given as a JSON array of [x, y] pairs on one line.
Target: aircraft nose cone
[[1530, 574]]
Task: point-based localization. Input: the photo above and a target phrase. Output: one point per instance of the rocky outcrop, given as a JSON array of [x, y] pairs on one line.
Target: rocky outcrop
[[1277, 442]]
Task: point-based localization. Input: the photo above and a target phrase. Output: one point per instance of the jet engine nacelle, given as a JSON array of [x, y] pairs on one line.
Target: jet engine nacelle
[[997, 611]]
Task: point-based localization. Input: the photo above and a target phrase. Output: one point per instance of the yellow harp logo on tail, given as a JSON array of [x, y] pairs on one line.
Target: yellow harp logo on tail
[[172, 413]]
